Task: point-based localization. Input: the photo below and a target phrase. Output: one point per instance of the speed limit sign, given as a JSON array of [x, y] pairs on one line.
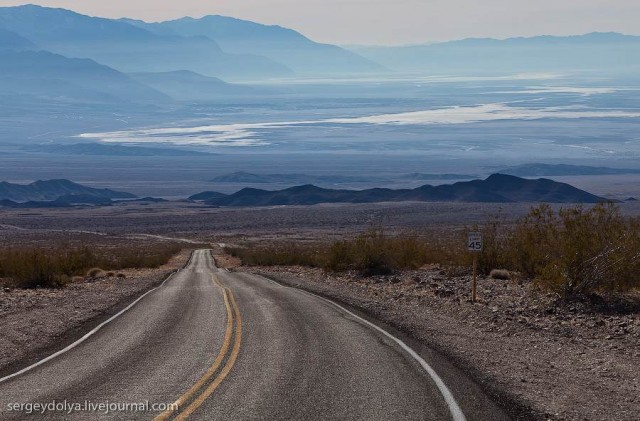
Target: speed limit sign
[[474, 242]]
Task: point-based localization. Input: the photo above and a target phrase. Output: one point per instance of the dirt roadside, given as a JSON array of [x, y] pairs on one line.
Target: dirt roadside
[[34, 323], [564, 362]]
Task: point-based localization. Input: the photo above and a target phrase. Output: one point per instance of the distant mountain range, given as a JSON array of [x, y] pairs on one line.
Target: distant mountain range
[[56, 55], [282, 45], [549, 170], [129, 48], [57, 190], [213, 46], [497, 188], [610, 52]]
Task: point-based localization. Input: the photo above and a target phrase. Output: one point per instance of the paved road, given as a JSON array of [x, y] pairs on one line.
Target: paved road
[[234, 346]]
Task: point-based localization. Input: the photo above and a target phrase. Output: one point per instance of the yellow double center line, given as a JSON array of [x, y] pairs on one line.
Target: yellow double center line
[[232, 308]]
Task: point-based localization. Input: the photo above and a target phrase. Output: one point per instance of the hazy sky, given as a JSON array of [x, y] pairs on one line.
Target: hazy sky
[[388, 21]]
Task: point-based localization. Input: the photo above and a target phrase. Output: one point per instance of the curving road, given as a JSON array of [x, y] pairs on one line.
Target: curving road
[[233, 346]]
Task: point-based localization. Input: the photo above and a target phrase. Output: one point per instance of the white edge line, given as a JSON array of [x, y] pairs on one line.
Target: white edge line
[[91, 333], [454, 408]]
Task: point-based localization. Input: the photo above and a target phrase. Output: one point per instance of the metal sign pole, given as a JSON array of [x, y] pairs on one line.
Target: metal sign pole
[[474, 288]]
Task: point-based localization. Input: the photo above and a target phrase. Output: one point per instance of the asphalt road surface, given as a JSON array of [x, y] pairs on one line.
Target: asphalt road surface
[[216, 345]]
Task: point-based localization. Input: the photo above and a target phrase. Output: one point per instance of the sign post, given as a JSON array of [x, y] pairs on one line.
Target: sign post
[[474, 245]]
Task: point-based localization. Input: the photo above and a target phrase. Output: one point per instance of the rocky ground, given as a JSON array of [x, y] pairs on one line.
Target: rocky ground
[[564, 361], [32, 321]]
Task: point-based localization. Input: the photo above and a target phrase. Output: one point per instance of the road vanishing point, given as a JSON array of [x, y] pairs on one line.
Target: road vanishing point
[[209, 344]]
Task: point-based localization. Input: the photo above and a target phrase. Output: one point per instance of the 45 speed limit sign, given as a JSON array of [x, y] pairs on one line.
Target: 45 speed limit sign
[[474, 242]]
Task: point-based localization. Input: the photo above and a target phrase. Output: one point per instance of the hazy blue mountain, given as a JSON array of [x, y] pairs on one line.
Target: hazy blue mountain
[[592, 52], [283, 45], [547, 170], [498, 188], [50, 190], [185, 85], [47, 75], [10, 41], [129, 48]]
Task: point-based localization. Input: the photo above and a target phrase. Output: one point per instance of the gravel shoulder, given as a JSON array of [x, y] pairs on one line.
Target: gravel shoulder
[[575, 361], [36, 322]]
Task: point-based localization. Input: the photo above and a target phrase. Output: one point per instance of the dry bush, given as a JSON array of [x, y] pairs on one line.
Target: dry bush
[[497, 249], [500, 274], [288, 254], [96, 273], [55, 266], [371, 253], [578, 250], [573, 251]]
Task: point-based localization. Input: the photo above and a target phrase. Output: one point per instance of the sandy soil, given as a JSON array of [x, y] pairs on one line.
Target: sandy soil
[[577, 361], [33, 322]]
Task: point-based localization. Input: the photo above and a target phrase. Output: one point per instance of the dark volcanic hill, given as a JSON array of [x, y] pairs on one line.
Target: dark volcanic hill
[[498, 188], [64, 191]]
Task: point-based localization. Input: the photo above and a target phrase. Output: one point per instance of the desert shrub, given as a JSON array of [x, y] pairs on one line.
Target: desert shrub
[[54, 267], [409, 252], [373, 254], [500, 274], [121, 275], [59, 280], [31, 268], [370, 253], [578, 250], [340, 257], [277, 255], [95, 273], [496, 251]]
